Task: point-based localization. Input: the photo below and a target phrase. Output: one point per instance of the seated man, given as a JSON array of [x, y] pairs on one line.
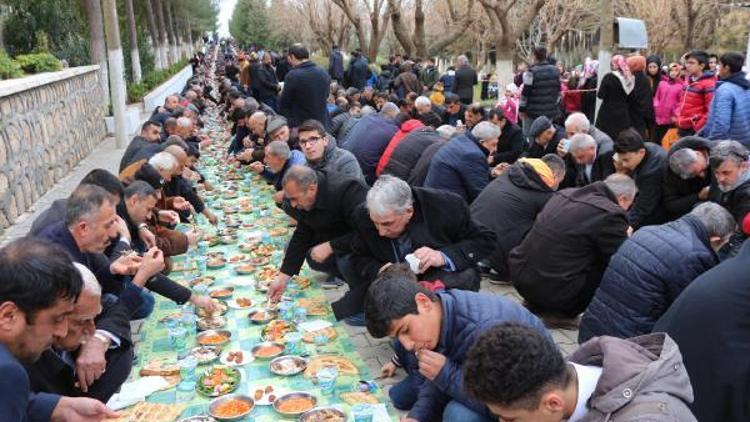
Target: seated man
[[454, 111], [522, 376], [322, 153], [560, 262], [149, 135], [438, 328], [645, 163], [39, 287], [54, 372], [509, 205], [652, 268], [730, 163], [179, 186], [544, 136], [511, 143], [407, 153], [369, 138], [588, 162], [323, 204], [435, 226], [277, 129], [688, 178], [278, 158]]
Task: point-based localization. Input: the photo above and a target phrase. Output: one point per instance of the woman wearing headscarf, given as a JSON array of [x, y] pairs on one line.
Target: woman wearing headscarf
[[654, 73], [615, 88], [588, 84], [667, 101], [641, 101]]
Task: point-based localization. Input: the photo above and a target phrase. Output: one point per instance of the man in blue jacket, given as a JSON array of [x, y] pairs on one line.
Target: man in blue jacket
[[729, 115], [439, 328]]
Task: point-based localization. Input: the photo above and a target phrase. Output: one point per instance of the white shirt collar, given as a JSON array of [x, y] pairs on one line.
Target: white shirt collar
[[588, 377]]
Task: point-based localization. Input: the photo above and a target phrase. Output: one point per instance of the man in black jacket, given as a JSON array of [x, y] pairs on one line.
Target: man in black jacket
[[559, 264], [408, 152], [466, 78], [149, 135], [434, 226], [323, 204], [730, 163], [511, 143], [587, 161], [265, 83], [687, 180], [541, 90], [306, 89], [54, 372]]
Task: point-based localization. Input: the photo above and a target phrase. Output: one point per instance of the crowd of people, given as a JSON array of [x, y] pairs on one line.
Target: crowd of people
[[407, 192]]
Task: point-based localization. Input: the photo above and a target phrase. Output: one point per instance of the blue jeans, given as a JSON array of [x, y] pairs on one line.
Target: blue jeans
[[455, 411], [146, 308], [405, 393]]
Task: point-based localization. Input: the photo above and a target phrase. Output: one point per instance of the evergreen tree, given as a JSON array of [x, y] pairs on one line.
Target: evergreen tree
[[249, 23]]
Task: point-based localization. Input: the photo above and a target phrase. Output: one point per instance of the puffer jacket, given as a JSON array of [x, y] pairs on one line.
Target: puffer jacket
[[681, 195], [405, 129], [407, 153], [643, 380], [729, 115], [338, 160], [541, 91], [466, 315], [695, 102], [645, 276], [368, 139], [667, 100], [460, 166]]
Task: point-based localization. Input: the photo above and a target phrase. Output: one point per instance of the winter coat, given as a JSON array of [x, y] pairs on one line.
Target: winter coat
[[643, 379], [645, 276], [647, 208], [418, 174], [466, 315], [709, 322], [695, 102], [441, 221], [337, 122], [510, 145], [466, 78], [737, 202], [508, 206], [406, 128], [613, 116], [305, 95], [588, 99], [408, 152], [535, 150], [729, 114], [603, 166], [368, 139], [667, 100], [135, 145], [338, 160], [296, 158], [448, 79], [265, 83], [681, 195], [331, 218], [570, 243], [358, 72], [428, 76], [540, 95], [336, 66], [460, 166], [641, 105], [405, 83]]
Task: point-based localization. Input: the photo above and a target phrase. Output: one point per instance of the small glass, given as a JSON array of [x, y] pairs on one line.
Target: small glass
[[321, 340], [187, 368], [202, 247], [202, 264], [362, 412], [185, 391], [286, 310], [178, 340], [327, 379], [300, 315], [293, 341]]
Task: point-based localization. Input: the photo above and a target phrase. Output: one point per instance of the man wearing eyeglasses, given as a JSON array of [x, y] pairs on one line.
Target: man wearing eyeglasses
[[322, 153]]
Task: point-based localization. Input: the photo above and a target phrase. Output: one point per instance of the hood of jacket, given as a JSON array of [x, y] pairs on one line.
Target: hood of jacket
[[631, 367], [737, 78], [525, 177], [692, 142], [410, 125]]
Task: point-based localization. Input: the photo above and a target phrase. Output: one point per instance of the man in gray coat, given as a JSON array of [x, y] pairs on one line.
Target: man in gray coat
[[522, 376], [322, 153]]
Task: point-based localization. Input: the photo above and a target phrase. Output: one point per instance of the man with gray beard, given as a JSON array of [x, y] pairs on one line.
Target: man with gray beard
[[729, 162]]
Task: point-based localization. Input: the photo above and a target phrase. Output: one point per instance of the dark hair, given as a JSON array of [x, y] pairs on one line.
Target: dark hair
[[401, 118], [390, 297], [299, 51], [700, 56], [175, 140], [36, 274], [148, 123], [496, 112], [733, 60], [379, 94], [140, 189], [713, 56], [312, 125], [430, 119], [105, 180], [629, 140], [85, 200], [170, 124], [540, 54], [513, 365], [478, 109], [452, 98]]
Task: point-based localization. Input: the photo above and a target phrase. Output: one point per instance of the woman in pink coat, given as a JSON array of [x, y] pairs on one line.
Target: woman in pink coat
[[667, 101]]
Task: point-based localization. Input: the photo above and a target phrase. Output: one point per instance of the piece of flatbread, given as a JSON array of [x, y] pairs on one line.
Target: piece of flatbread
[[160, 367], [329, 332], [150, 412], [346, 367], [357, 397], [315, 307]]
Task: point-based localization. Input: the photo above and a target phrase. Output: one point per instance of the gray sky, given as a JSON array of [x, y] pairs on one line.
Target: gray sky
[[226, 7]]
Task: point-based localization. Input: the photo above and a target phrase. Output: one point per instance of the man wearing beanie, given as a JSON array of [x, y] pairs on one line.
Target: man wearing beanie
[[543, 138]]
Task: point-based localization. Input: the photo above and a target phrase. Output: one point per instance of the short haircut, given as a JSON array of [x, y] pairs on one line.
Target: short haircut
[[496, 112], [184, 122], [629, 140], [35, 275], [148, 124], [422, 101], [452, 98], [540, 54], [700, 56], [680, 162], [389, 109], [89, 282], [727, 150], [485, 130], [477, 108], [312, 125], [581, 141], [103, 179], [556, 164], [170, 124], [302, 176], [299, 51], [140, 189], [430, 119], [621, 185], [85, 201], [715, 218], [462, 60], [733, 60], [278, 149], [579, 120], [176, 140], [513, 365], [391, 297], [389, 194]]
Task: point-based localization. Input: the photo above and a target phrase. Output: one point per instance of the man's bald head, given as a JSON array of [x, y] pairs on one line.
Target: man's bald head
[[180, 155], [257, 123]]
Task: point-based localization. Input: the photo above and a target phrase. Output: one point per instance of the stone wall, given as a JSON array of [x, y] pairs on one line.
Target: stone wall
[[48, 123]]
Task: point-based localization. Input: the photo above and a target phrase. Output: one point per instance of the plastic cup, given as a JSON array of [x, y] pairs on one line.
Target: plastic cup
[[362, 413], [203, 247], [327, 379], [185, 391], [187, 368], [300, 315], [293, 341], [178, 339]]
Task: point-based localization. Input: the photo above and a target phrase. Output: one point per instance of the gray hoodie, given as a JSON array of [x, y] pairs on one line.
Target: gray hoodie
[[338, 160], [643, 379]]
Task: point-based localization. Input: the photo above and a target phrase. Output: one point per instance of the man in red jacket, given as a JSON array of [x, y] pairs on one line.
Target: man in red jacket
[[693, 111]]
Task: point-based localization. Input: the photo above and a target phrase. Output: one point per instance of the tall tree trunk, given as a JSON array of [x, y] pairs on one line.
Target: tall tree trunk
[[154, 32], [97, 48], [170, 31], [189, 37], [116, 70], [135, 57], [163, 39]]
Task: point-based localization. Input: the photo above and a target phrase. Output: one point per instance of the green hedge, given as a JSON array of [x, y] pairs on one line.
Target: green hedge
[[39, 62], [9, 68], [136, 92]]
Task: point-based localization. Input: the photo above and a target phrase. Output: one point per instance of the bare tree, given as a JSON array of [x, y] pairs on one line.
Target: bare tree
[[378, 16], [556, 20], [135, 57], [328, 24], [98, 48], [415, 42]]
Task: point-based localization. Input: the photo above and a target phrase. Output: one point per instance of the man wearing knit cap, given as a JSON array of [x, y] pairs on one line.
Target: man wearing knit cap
[[543, 138]]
